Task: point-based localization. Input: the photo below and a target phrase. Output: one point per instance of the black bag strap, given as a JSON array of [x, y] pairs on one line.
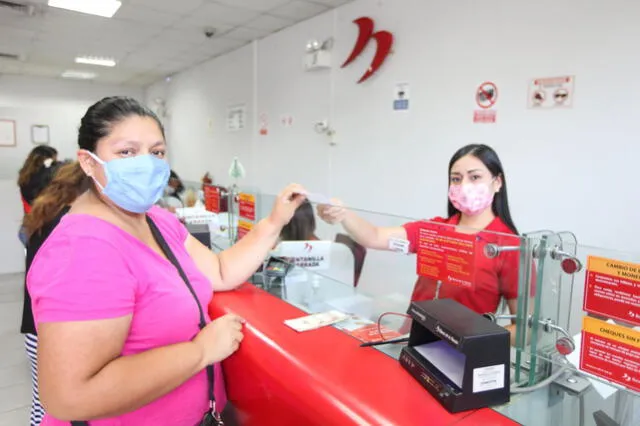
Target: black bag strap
[[157, 236]]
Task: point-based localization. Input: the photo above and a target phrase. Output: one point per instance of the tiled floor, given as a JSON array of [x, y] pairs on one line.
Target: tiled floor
[[15, 379]]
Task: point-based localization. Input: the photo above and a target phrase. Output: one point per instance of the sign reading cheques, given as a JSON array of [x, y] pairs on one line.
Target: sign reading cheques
[[446, 255], [611, 352], [612, 289], [212, 198], [247, 213]]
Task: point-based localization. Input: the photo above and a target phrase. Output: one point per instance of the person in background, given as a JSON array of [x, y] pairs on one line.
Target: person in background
[[175, 187], [47, 210], [302, 226], [111, 310], [477, 202], [35, 174]]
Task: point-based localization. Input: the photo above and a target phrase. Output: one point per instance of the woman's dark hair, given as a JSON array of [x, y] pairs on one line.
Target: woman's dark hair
[[180, 188], [302, 226], [490, 159], [103, 115], [71, 181], [34, 163]]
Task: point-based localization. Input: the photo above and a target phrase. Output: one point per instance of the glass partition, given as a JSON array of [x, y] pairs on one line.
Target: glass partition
[[531, 284], [587, 306]]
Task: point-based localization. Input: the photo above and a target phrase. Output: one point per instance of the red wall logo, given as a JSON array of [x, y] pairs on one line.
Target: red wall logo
[[384, 40]]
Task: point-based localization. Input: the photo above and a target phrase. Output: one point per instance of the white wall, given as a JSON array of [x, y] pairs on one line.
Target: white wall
[[567, 169], [57, 103]]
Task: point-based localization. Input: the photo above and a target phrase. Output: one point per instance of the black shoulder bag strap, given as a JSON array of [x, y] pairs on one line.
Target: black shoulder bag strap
[[212, 417]]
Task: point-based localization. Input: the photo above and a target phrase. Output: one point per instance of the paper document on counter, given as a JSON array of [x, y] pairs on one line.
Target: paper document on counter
[[311, 322]]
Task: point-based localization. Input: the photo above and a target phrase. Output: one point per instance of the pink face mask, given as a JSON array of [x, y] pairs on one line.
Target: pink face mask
[[471, 199]]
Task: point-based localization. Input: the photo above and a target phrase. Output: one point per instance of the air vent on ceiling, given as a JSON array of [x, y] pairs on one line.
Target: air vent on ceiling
[[27, 9], [9, 56]]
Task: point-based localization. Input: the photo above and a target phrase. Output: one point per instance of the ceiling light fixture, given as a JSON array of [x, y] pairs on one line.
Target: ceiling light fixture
[[79, 75], [104, 8], [89, 60]]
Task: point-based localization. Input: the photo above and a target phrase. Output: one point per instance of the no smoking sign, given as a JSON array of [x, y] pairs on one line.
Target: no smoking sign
[[487, 95]]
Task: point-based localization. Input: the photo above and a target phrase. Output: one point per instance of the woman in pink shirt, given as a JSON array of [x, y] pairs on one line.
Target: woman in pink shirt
[[120, 340]]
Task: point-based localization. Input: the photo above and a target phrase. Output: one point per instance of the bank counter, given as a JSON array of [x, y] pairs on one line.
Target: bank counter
[[321, 377]]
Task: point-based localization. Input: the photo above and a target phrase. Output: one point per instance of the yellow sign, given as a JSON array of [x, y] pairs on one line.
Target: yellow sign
[[617, 333], [247, 198], [613, 267]]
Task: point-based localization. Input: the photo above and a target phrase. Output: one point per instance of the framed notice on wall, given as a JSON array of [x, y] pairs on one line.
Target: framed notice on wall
[[7, 132], [40, 134]]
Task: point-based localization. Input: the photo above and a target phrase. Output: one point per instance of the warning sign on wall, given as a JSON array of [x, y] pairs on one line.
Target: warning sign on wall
[[487, 95], [553, 92]]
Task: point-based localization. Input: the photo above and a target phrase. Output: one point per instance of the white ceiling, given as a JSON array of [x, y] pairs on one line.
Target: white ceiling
[[150, 39]]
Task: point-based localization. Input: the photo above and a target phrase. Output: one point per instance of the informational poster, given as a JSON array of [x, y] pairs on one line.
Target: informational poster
[[446, 255], [401, 97], [612, 289], [551, 92], [486, 97], [611, 352], [7, 133], [236, 117], [212, 198], [244, 227], [247, 206]]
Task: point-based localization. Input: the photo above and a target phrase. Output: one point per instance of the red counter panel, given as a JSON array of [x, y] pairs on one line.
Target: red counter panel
[[321, 377]]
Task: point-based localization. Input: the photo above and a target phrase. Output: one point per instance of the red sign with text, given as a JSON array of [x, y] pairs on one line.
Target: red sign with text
[[244, 228], [247, 206], [612, 289], [212, 198], [611, 352], [446, 255]]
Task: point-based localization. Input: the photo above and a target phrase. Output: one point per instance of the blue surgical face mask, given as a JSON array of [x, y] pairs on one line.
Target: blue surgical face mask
[[134, 183]]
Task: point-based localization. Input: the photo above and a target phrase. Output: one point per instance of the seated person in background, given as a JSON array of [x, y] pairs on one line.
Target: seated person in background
[[302, 226], [173, 192]]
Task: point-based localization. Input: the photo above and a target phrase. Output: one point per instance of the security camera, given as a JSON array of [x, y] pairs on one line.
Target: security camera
[[209, 32]]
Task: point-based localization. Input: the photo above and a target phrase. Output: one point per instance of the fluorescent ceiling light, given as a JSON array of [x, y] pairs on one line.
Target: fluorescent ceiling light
[[95, 61], [80, 75], [105, 8]]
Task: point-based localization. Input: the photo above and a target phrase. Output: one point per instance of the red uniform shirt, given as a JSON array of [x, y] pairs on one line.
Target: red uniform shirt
[[494, 278]]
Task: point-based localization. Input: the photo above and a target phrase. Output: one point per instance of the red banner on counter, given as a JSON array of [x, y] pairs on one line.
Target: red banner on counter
[[244, 228], [247, 206], [212, 198], [611, 352], [612, 289], [446, 255]]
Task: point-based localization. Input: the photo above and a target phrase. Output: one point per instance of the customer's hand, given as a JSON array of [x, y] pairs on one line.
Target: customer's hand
[[332, 213], [286, 204], [220, 338]]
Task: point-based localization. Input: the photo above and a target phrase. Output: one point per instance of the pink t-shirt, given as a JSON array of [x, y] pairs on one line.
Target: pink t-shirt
[[89, 269]]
